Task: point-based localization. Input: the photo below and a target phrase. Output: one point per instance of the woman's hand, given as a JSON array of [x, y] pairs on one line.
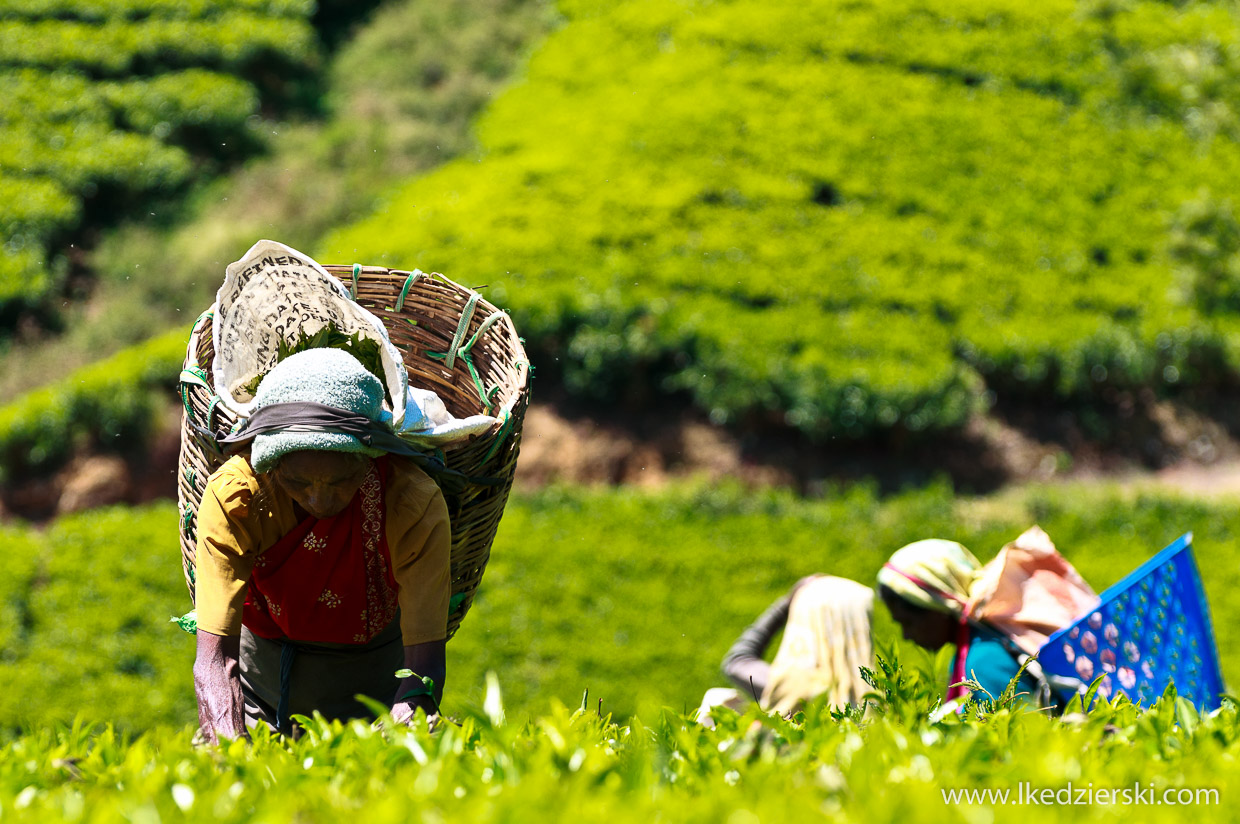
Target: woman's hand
[[422, 684], [217, 684], [406, 712]]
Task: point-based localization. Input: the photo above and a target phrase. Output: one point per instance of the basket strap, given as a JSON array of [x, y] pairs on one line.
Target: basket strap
[[413, 278]]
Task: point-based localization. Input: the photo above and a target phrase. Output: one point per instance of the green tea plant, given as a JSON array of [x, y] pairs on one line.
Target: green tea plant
[[111, 105], [849, 218], [109, 405], [229, 40], [633, 595], [895, 763]]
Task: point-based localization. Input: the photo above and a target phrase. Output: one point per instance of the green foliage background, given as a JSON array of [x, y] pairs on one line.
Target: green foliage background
[[634, 595], [110, 106], [846, 217], [855, 220]]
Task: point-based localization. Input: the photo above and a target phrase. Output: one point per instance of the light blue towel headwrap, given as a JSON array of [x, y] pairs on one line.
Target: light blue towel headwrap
[[327, 376]]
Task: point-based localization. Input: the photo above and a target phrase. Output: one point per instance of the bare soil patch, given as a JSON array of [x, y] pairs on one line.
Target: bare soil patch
[[1161, 444]]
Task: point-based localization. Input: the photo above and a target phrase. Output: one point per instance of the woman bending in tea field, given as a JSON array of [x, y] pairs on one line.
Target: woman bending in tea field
[[997, 615], [322, 560], [826, 624]]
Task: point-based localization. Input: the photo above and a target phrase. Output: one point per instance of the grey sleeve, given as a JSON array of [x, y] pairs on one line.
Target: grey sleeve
[[744, 660]]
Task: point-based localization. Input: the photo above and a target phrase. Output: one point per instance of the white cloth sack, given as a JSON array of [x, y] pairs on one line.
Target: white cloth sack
[[276, 293], [428, 422]]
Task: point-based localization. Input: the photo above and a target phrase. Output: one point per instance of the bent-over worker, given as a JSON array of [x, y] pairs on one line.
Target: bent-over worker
[[322, 560]]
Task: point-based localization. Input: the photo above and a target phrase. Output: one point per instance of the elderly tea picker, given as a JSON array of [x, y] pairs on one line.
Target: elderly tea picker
[[322, 558]]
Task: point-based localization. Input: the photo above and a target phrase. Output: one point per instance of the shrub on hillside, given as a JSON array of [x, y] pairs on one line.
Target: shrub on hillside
[[840, 216], [107, 405], [108, 106]]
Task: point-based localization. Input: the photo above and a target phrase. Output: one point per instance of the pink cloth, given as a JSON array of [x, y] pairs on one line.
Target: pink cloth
[[1029, 591]]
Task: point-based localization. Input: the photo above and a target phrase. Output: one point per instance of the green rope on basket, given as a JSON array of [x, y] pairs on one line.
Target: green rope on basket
[[461, 328], [357, 270], [462, 350], [187, 518], [193, 376], [413, 278], [500, 437], [215, 401], [191, 476], [482, 328], [473, 373]]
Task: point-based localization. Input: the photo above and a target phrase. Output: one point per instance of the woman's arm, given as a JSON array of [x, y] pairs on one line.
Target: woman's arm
[[744, 665], [427, 661], [420, 541], [224, 561], [217, 684]]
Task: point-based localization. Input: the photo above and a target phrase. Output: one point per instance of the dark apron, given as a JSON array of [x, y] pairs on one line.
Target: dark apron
[[322, 677]]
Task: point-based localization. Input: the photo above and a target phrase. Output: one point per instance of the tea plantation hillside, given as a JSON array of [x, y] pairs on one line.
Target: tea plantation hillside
[[108, 107], [634, 595], [397, 95], [854, 218]]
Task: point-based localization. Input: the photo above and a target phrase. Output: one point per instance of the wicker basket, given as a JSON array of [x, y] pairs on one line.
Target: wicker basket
[[435, 323]]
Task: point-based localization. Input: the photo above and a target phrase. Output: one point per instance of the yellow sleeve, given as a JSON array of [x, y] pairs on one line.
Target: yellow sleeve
[[420, 542], [227, 547]]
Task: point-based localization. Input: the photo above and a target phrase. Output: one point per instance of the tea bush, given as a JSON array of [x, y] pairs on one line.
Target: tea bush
[[897, 764], [110, 104], [633, 595], [108, 405], [846, 217]]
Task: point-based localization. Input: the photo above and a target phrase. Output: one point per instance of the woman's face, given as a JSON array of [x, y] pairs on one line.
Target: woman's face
[[322, 483], [924, 627]]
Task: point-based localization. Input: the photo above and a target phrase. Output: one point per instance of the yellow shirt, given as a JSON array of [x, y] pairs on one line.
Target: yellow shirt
[[233, 532]]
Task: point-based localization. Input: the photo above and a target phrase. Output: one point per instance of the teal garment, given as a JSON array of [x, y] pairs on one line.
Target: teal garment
[[993, 667]]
